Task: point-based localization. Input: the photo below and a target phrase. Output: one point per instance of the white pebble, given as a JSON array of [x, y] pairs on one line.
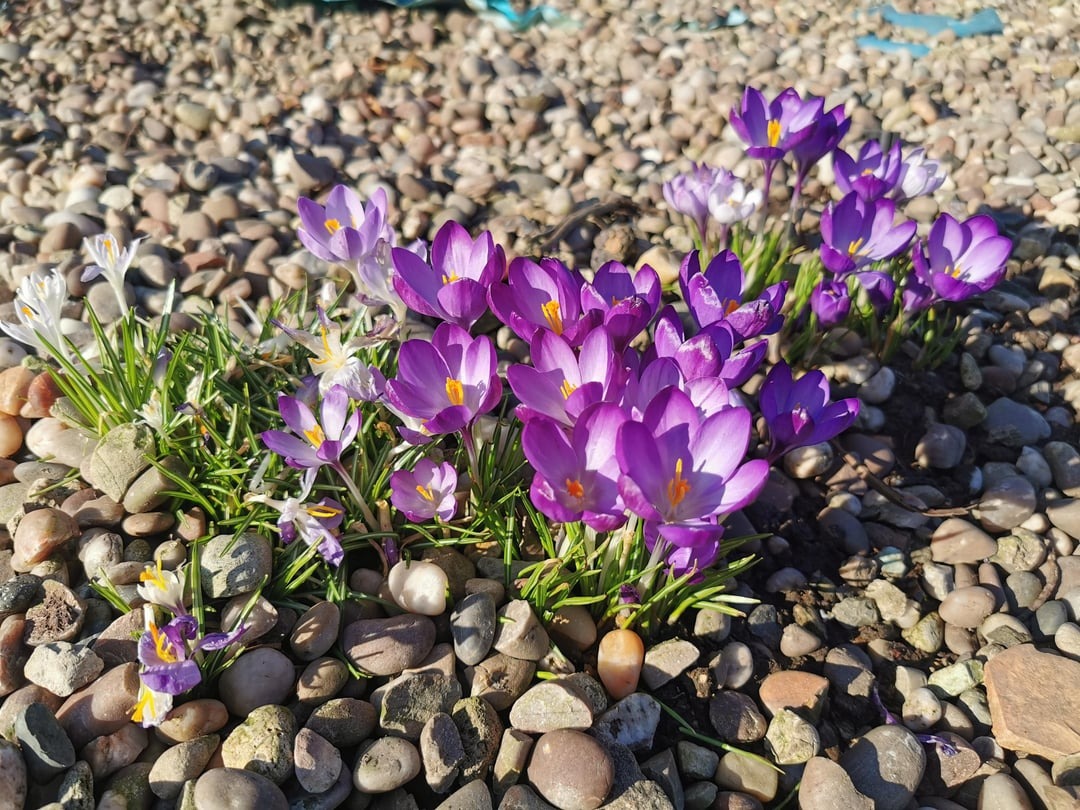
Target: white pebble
[[418, 587]]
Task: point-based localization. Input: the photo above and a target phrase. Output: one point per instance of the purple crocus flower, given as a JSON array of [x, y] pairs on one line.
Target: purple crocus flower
[[678, 468], [575, 479], [716, 296], [799, 412], [857, 232], [830, 302], [625, 301], [689, 193], [703, 355], [425, 492], [825, 135], [166, 653], [560, 384], [709, 394], [879, 286], [316, 524], [918, 176], [962, 259], [771, 130], [688, 548], [872, 175], [542, 296], [343, 230], [311, 443], [917, 294], [446, 383], [454, 285]]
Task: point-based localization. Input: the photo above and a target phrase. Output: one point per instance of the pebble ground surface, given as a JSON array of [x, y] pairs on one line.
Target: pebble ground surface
[[934, 558]]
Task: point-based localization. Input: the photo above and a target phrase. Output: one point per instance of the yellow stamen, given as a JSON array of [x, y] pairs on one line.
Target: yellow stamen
[[162, 645], [29, 313], [333, 226], [955, 272], [774, 131], [455, 391], [567, 388], [552, 316], [315, 436], [323, 511], [154, 575], [110, 249], [145, 706], [426, 493], [867, 172], [853, 247], [450, 279], [574, 488], [320, 361], [678, 486]]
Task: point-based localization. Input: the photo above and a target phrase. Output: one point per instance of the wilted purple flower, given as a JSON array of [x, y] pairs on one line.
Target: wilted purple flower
[[830, 302], [425, 492], [166, 653], [799, 412], [716, 295], [542, 296], [857, 232], [918, 176], [626, 301], [322, 443], [689, 193], [575, 479], [962, 259], [560, 384], [771, 130], [316, 524], [872, 175], [446, 383], [678, 468], [826, 132], [454, 285]]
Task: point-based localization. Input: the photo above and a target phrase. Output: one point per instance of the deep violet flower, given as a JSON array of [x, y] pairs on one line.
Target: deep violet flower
[[453, 285], [575, 479], [856, 233], [542, 296], [826, 132], [561, 383], [918, 176], [716, 295], [446, 383], [830, 302], [961, 259], [873, 174], [771, 130], [625, 301], [312, 443], [426, 491], [799, 412], [678, 468], [166, 653]]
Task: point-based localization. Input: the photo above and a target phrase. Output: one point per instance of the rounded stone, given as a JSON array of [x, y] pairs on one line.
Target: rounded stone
[[317, 762], [571, 770], [385, 765], [180, 763], [886, 763], [40, 534], [316, 631], [237, 789], [967, 607], [263, 743], [258, 677], [234, 564], [472, 625], [193, 719], [388, 646], [344, 722]]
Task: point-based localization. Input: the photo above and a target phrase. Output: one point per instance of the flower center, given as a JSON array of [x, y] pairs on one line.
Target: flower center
[[552, 316], [867, 172], [332, 226], [322, 511], [426, 493], [455, 392], [954, 270], [315, 436], [450, 278], [163, 646], [567, 388], [574, 488], [730, 306], [145, 706], [773, 130], [154, 575], [854, 246], [110, 249], [678, 486]]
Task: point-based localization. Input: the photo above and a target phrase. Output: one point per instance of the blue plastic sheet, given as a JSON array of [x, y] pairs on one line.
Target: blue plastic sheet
[[985, 22]]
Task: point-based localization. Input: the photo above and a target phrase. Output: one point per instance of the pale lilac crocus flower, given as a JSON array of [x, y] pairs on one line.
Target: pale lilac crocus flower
[[426, 491], [919, 176]]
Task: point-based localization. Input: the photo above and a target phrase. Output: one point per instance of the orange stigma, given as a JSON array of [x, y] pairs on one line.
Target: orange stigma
[[774, 131], [678, 486], [574, 488], [552, 316]]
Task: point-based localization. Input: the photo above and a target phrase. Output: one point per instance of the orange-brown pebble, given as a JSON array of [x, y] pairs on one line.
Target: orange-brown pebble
[[40, 396], [14, 384], [618, 662], [11, 436]]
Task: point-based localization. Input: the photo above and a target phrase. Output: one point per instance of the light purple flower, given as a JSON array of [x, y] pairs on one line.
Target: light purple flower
[[708, 394], [166, 653], [799, 412], [425, 492], [344, 230], [962, 259], [454, 285], [312, 443], [575, 479], [446, 383], [688, 194], [716, 296], [542, 296], [830, 302], [316, 524], [771, 130], [688, 548], [857, 232], [678, 468], [873, 174], [731, 202], [702, 355], [625, 301], [918, 176], [560, 384]]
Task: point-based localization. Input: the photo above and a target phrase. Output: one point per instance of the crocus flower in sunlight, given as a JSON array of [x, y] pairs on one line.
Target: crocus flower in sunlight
[[166, 653], [688, 548], [542, 296], [344, 230], [688, 194], [716, 295], [164, 588], [772, 129], [709, 394], [730, 201], [825, 134], [857, 232], [873, 174], [678, 468], [336, 363], [38, 307], [111, 260], [830, 302], [625, 300], [425, 492], [800, 412], [446, 383], [962, 259], [918, 176], [313, 444], [575, 479], [316, 524], [151, 707], [453, 286]]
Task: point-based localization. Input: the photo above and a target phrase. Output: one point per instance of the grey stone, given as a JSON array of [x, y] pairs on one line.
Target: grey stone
[[62, 668], [118, 459], [441, 752], [1014, 425], [791, 739], [234, 564], [667, 660], [410, 701], [76, 790], [263, 743], [472, 625], [46, 747], [886, 763], [631, 722]]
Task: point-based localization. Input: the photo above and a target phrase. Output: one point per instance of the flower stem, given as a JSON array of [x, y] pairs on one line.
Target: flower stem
[[350, 484]]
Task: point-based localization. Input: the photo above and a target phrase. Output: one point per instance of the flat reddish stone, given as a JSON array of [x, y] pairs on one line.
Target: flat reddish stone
[[1034, 700], [793, 689]]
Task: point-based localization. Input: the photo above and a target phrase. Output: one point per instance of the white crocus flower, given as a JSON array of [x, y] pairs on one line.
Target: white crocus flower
[[163, 588], [112, 261], [335, 362], [38, 306], [729, 201]]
